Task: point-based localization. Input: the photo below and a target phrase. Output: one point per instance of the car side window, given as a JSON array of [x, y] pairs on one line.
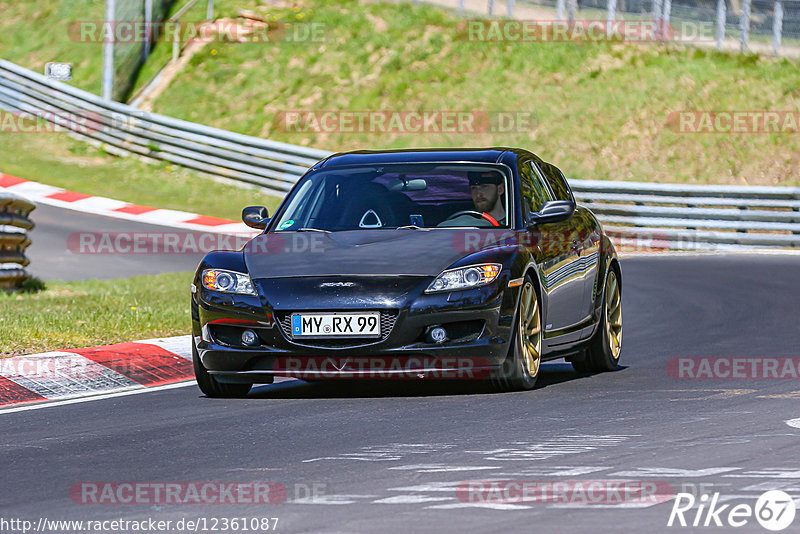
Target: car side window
[[557, 181], [534, 190]]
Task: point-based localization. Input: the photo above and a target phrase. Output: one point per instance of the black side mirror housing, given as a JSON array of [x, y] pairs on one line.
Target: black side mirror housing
[[552, 211], [255, 217]]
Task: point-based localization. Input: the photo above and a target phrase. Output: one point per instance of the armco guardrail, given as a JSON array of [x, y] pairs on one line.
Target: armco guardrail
[[124, 129], [695, 216], [641, 214], [14, 227]]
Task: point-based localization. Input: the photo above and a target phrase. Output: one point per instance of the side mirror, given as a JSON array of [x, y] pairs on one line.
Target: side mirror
[[553, 211], [255, 217]]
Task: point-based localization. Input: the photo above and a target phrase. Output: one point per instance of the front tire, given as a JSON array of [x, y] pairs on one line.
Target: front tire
[[520, 370], [213, 387], [606, 345]]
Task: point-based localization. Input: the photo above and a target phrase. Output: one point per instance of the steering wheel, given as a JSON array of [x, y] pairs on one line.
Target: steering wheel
[[476, 214]]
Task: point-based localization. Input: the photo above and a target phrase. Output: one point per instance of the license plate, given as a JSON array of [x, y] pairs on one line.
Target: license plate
[[336, 324]]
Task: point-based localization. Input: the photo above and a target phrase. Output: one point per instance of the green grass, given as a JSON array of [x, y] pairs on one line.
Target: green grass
[[601, 108], [83, 314], [56, 159], [34, 32]]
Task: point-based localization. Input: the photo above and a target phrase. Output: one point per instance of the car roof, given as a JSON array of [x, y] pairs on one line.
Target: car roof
[[422, 155]]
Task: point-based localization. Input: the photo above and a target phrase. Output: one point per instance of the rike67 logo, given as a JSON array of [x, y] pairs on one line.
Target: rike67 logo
[[774, 510]]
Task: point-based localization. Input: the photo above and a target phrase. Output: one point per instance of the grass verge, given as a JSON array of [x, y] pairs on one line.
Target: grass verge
[[600, 108], [56, 159], [96, 312]]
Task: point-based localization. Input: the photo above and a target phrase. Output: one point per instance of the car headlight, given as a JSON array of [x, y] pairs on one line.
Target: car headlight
[[465, 278], [227, 282]]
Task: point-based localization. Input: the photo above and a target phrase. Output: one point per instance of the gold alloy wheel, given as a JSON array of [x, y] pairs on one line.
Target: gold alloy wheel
[[613, 315], [530, 329]]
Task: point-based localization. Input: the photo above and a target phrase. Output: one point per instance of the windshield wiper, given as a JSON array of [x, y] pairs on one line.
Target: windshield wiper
[[410, 227], [313, 230]]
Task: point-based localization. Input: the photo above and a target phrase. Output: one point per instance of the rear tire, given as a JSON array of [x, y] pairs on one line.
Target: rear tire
[[213, 387], [520, 370], [606, 345]]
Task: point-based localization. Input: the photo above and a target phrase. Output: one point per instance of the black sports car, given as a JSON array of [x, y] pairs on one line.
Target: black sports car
[[441, 263]]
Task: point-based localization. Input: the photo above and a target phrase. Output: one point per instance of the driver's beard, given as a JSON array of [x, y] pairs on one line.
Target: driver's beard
[[489, 204]]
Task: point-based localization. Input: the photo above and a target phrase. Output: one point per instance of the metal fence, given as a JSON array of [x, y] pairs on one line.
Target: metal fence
[[124, 57], [14, 225], [645, 215], [747, 25]]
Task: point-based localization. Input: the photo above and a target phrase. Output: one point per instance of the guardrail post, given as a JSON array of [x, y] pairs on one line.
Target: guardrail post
[[611, 15], [490, 8], [664, 34], [721, 15], [176, 45], [510, 8], [559, 9], [210, 11], [572, 9], [460, 7], [148, 35], [108, 54], [658, 6], [777, 26], [744, 25]]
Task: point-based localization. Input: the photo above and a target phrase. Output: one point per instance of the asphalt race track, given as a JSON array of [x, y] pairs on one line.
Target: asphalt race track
[[54, 256], [383, 457]]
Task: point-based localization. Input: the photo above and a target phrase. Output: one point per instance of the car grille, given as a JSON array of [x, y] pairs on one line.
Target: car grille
[[388, 318]]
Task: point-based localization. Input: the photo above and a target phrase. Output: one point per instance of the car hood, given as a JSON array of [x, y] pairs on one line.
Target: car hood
[[362, 252]]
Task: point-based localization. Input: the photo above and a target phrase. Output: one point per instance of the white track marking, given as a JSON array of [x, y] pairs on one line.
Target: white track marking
[[492, 506], [99, 396], [180, 345], [770, 472], [385, 453], [411, 499], [441, 468], [331, 499], [795, 423], [593, 505], [554, 471], [549, 448], [97, 204], [36, 192], [106, 207], [659, 472], [449, 487]]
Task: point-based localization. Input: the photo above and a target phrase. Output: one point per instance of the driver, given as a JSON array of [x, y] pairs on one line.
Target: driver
[[487, 189]]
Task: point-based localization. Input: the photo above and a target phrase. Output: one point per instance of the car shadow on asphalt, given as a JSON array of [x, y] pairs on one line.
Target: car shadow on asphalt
[[551, 374]]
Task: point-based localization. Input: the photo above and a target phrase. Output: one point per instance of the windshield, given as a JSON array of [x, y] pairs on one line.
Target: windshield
[[399, 195]]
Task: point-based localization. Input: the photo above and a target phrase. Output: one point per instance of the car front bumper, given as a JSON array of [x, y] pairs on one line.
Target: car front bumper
[[478, 323]]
